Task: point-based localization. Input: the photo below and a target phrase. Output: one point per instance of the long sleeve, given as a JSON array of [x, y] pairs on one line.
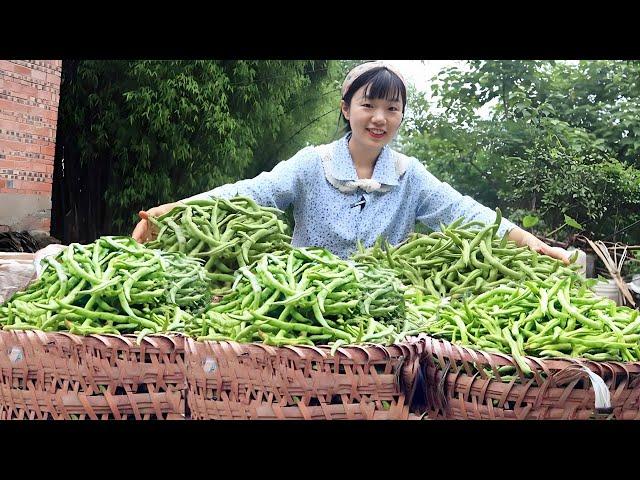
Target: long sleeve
[[439, 202], [277, 188]]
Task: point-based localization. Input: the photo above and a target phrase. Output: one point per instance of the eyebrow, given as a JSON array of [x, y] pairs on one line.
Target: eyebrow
[[364, 98]]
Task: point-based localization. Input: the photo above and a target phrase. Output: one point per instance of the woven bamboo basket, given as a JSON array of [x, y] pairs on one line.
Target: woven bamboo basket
[[100, 377], [229, 380], [457, 386]]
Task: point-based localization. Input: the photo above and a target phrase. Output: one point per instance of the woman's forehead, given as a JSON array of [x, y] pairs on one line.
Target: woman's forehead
[[365, 90]]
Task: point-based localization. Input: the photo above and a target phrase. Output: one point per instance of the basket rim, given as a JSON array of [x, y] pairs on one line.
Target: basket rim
[[347, 352], [538, 364], [109, 340]]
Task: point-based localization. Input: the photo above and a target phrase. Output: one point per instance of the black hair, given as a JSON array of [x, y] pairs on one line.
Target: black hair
[[383, 83]]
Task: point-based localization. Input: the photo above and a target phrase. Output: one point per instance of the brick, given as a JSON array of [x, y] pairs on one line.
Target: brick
[[42, 131], [12, 106], [37, 74], [9, 125], [53, 79], [23, 91], [38, 186], [20, 163], [22, 127], [36, 167], [51, 151], [43, 140], [22, 70], [42, 95], [39, 110], [20, 97], [25, 147], [49, 115], [7, 164], [33, 183], [20, 117], [9, 145], [21, 166], [6, 65], [3, 183]]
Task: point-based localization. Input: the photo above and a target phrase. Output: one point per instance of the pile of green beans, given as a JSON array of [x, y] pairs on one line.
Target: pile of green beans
[[558, 319], [307, 296], [226, 234], [113, 285], [463, 259]]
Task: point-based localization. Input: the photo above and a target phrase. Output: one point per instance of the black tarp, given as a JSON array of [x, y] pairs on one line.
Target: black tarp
[[24, 242]]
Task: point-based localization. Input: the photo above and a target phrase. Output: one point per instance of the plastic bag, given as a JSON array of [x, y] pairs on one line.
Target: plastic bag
[[47, 251], [17, 270]]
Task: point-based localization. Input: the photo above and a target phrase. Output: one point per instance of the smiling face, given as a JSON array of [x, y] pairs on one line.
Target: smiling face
[[374, 121]]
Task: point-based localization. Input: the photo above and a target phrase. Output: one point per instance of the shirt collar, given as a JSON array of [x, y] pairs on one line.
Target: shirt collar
[[343, 168]]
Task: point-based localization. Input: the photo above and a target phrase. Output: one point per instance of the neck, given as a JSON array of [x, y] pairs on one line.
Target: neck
[[364, 158]]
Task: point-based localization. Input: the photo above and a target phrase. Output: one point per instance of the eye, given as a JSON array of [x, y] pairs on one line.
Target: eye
[[367, 105], [394, 109]]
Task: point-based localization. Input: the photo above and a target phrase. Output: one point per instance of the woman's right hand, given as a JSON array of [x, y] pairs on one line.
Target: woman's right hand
[[144, 232]]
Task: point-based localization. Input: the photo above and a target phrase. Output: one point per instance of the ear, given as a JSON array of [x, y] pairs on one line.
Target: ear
[[345, 109]]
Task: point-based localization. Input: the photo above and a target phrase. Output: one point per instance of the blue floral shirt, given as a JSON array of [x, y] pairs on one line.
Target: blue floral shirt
[[325, 214]]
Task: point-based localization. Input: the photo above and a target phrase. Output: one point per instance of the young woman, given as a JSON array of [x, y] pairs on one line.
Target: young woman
[[358, 188]]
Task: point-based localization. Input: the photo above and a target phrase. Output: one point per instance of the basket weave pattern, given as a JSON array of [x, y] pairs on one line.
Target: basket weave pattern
[[65, 376], [228, 380], [459, 388]]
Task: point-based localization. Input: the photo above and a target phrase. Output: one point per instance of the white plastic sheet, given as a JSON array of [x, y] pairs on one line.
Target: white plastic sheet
[[17, 270]]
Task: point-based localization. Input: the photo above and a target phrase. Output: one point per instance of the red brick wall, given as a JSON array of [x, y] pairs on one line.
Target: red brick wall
[[29, 95]]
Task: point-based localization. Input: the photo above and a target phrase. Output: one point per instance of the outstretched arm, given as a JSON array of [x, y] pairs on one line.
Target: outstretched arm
[[439, 202], [277, 188]]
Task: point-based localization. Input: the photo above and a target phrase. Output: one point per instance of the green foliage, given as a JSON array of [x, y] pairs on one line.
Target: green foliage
[[166, 130], [559, 139], [529, 221]]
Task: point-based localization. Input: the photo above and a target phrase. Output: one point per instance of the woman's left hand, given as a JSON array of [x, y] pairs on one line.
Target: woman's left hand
[[524, 238]]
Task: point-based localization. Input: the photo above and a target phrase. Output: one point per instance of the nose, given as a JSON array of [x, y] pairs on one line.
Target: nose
[[379, 116]]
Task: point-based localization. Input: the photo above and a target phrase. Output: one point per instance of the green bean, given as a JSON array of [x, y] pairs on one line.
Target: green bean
[[82, 296]]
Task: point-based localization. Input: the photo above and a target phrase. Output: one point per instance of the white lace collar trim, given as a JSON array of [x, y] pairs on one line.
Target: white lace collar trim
[[367, 184]]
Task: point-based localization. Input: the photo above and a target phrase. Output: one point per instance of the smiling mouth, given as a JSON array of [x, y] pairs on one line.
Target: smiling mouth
[[376, 132]]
